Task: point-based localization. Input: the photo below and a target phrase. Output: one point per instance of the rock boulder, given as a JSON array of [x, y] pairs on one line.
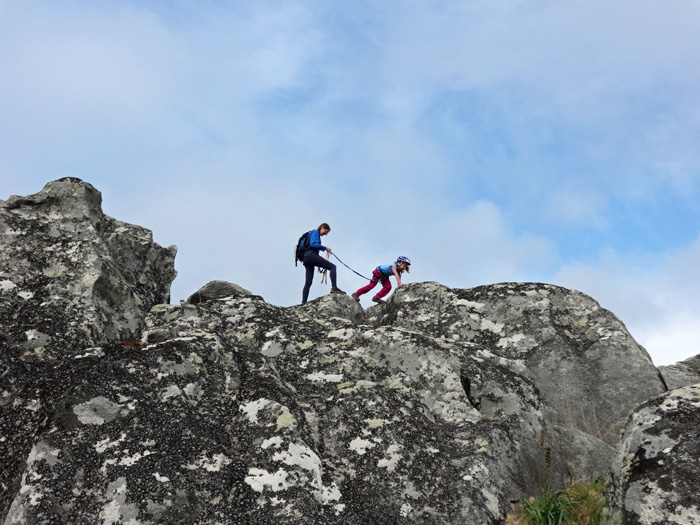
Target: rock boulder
[[657, 464]]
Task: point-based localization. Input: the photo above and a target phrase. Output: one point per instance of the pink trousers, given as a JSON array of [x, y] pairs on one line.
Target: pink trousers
[[376, 277]]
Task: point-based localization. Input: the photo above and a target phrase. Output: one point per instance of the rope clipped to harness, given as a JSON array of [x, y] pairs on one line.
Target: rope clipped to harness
[[353, 271]]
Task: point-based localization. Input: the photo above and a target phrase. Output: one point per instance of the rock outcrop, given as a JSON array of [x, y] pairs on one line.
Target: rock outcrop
[[73, 283], [657, 465], [682, 374], [440, 406], [70, 276], [588, 368]]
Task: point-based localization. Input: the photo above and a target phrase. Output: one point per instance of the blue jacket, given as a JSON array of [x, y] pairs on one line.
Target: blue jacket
[[386, 270], [315, 241]]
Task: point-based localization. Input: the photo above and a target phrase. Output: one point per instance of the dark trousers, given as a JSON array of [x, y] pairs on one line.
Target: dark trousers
[[311, 260]]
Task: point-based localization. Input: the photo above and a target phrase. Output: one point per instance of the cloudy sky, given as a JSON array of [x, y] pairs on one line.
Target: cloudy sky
[[518, 140]]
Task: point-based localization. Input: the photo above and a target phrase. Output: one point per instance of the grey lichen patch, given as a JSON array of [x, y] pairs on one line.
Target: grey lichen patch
[[118, 510], [272, 349], [36, 339], [97, 411]]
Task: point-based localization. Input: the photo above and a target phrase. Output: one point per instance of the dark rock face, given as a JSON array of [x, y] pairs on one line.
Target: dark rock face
[[439, 406], [657, 465]]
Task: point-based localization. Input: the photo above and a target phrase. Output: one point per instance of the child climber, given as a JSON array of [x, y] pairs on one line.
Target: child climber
[[383, 273]]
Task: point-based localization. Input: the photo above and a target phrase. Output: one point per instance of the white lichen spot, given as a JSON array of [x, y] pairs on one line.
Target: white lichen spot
[[406, 509], [301, 456], [469, 304], [492, 502], [25, 295], [132, 460], [106, 444], [213, 464], [193, 390], [7, 285], [328, 494], [258, 479], [171, 391], [251, 409], [162, 479], [393, 458], [320, 377], [343, 334], [91, 352], [275, 441], [361, 446], [514, 339], [487, 324]]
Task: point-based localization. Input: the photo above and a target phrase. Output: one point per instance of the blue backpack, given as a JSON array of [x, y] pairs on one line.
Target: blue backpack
[[302, 245]]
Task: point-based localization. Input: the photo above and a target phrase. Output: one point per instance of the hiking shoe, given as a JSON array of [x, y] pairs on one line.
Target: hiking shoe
[[355, 296], [337, 290], [377, 300]]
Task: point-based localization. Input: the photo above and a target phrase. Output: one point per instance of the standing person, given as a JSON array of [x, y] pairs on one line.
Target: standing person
[[383, 273], [313, 259]]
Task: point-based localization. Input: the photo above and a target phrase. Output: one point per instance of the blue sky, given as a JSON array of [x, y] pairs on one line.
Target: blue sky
[[522, 140]]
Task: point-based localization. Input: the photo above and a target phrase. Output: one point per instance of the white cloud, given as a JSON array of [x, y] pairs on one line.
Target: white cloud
[[466, 135], [577, 206], [655, 296]]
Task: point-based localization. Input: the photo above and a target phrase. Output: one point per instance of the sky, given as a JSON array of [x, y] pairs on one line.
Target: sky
[[518, 140]]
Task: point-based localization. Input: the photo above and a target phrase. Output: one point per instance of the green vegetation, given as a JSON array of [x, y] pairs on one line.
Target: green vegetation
[[579, 504]]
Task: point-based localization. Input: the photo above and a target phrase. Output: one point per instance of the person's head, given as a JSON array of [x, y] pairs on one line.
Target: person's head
[[403, 263], [323, 229]]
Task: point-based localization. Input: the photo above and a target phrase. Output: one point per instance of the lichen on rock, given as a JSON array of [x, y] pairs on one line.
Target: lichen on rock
[[436, 407]]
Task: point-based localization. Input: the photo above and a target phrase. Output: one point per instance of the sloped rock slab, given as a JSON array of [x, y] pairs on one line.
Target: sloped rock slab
[[590, 371], [657, 465]]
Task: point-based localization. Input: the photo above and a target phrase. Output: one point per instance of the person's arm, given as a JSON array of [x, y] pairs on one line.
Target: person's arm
[[398, 277], [315, 242]]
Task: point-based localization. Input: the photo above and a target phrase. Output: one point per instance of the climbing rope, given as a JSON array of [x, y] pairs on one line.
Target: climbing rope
[[324, 278], [353, 271]]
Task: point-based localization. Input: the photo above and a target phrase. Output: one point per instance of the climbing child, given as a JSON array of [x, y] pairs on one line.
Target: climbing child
[[383, 273]]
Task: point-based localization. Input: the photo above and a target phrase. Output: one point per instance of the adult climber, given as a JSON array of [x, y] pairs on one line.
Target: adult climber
[[312, 260]]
